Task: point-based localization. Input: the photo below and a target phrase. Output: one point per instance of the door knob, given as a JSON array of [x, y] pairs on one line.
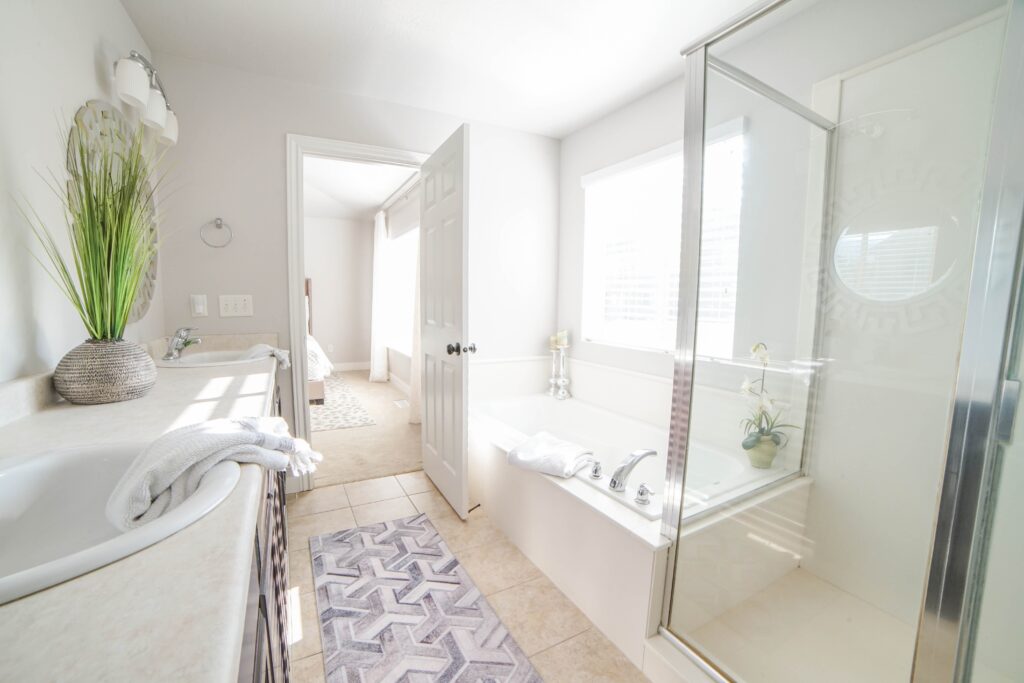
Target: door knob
[[454, 349], [470, 347]]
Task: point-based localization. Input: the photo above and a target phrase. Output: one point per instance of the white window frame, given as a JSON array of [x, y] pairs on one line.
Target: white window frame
[[723, 131]]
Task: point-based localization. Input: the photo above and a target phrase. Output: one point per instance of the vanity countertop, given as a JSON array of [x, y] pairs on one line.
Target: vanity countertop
[[174, 611]]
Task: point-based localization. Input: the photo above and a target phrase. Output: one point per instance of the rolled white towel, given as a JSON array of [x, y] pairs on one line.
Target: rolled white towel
[[260, 350], [545, 452], [169, 470]]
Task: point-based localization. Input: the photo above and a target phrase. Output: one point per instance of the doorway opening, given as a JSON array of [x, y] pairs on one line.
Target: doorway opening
[[353, 232]]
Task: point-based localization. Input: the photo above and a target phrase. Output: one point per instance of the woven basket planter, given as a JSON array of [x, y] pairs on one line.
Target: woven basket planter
[[104, 371]]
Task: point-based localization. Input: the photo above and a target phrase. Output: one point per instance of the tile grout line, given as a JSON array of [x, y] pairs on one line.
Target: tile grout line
[[561, 642]]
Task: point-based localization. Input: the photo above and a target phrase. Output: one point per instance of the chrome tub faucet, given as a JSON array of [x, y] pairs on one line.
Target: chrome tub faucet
[[181, 340], [622, 472]]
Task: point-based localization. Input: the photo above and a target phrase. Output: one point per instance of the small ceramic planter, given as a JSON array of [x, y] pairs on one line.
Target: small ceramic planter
[[104, 371], [763, 453]]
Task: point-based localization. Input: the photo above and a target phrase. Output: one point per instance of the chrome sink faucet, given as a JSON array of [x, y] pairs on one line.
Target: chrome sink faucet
[[181, 340], [621, 474]]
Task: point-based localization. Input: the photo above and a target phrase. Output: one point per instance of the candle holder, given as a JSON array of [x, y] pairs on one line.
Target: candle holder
[[558, 384]]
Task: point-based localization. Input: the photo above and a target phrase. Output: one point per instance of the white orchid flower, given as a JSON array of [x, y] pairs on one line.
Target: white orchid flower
[[759, 352], [765, 402], [747, 388]]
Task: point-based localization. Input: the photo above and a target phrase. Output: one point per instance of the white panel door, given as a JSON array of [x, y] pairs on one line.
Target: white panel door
[[443, 297]]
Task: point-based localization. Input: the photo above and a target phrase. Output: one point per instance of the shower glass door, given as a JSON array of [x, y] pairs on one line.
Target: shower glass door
[[843, 154]]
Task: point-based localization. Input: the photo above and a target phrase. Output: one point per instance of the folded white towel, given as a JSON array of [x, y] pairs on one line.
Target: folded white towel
[[169, 470], [260, 350], [545, 452]]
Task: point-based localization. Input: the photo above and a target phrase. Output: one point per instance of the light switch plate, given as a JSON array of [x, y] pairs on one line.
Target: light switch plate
[[235, 305], [197, 303]]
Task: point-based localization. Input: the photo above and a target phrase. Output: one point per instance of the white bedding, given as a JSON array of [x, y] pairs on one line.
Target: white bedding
[[319, 365]]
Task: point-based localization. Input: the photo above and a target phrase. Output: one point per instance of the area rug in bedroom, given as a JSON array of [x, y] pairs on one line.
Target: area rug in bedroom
[[340, 410], [395, 604]]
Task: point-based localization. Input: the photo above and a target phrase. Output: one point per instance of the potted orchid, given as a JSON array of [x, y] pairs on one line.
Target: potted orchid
[[763, 429]]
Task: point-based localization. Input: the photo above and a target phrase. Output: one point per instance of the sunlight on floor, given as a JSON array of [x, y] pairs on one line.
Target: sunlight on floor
[[294, 616]]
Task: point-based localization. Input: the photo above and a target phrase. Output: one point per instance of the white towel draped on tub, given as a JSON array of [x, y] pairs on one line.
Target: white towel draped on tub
[[545, 452], [261, 350], [169, 470]]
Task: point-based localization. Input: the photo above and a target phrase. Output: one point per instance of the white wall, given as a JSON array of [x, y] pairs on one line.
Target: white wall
[[54, 56], [230, 162], [339, 260], [513, 233], [650, 122]]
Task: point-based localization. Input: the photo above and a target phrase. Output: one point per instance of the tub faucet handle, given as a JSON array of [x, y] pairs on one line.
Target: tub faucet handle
[[595, 470], [643, 495]]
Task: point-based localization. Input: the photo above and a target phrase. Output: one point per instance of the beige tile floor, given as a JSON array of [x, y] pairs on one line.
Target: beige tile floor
[[558, 638], [391, 446]]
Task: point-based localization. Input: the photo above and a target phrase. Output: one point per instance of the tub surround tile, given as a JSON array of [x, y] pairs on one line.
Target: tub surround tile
[[373, 490], [383, 511], [497, 566], [538, 615], [301, 528], [415, 482], [318, 500], [586, 658]]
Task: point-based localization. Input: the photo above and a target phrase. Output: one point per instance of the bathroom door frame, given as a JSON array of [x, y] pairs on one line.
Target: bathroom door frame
[[982, 398], [297, 147]]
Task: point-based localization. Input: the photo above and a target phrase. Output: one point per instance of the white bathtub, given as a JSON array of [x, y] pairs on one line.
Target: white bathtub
[[713, 476], [602, 550]]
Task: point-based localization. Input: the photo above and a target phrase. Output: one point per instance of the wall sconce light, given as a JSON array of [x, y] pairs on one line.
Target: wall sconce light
[[139, 85]]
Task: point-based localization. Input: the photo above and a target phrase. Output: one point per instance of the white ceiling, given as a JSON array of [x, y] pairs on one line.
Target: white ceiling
[[348, 189], [545, 66]]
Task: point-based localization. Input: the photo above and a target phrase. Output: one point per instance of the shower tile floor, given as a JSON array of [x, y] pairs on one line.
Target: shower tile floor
[[801, 628], [559, 640]]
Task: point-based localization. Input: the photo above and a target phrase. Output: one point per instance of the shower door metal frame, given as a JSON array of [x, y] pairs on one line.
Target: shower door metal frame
[[954, 580], [952, 586], [698, 63]]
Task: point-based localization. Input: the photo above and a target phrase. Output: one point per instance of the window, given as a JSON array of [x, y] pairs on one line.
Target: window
[[632, 227], [888, 264], [400, 257]]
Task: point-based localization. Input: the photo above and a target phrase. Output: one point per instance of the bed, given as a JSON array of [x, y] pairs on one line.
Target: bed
[[318, 365]]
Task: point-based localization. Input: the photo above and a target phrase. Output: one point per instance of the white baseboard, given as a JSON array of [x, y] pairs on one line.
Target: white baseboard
[[348, 367], [399, 383]]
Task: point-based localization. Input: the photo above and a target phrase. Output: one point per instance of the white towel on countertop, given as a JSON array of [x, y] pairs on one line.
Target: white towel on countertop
[[284, 360], [545, 452], [169, 470]]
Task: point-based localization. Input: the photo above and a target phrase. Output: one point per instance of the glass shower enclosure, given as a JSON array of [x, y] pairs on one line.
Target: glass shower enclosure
[[863, 159]]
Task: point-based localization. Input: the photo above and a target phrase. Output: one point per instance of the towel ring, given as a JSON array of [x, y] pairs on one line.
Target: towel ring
[[219, 236]]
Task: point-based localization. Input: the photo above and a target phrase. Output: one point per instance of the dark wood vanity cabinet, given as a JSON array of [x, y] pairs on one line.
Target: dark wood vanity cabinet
[[265, 643]]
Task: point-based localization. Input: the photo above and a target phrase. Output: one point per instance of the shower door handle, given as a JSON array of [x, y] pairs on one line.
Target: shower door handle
[[454, 349]]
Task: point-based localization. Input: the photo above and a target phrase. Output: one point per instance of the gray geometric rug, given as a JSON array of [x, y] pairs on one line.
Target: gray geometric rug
[[341, 408], [396, 605]]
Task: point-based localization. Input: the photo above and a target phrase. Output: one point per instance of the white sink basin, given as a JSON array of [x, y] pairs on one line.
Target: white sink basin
[[53, 525], [200, 359]]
